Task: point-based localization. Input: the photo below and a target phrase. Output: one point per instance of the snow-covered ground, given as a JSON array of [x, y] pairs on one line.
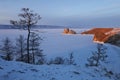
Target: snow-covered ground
[[57, 44]]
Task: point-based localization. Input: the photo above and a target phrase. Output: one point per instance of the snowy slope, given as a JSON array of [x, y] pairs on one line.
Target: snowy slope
[[21, 71], [57, 44]]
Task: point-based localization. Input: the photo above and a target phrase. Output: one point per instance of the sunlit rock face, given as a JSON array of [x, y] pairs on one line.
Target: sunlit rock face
[[103, 34], [71, 32], [68, 31]]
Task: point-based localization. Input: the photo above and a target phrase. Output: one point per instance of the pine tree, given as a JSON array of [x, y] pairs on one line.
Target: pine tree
[[35, 46], [71, 60], [21, 47], [7, 49], [97, 56]]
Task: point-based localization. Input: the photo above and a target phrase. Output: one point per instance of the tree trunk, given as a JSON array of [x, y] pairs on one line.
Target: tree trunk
[[98, 57], [21, 50], [33, 58], [28, 52]]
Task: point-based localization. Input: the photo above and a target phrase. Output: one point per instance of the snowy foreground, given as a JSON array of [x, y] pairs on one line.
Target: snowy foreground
[[57, 44]]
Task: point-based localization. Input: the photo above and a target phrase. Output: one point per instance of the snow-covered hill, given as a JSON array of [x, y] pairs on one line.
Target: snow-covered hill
[[57, 44]]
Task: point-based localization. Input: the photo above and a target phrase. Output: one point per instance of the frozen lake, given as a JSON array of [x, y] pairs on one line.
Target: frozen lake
[[54, 41]]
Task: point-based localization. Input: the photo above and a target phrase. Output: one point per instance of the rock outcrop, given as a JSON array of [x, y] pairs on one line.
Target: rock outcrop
[[68, 31], [102, 34], [115, 40]]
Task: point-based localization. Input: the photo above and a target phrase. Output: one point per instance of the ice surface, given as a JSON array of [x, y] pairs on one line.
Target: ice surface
[[55, 43]]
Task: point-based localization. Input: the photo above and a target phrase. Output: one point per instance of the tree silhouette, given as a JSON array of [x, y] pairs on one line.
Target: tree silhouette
[[7, 49], [27, 20], [97, 56], [35, 46], [20, 46]]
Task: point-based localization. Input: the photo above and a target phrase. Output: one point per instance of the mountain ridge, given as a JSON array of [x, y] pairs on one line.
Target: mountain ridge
[[2, 26]]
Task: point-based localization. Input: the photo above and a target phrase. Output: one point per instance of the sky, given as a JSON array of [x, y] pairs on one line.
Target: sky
[[74, 13]]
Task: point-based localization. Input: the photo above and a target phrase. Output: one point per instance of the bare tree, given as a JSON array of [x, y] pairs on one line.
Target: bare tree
[[21, 46], [97, 56], [71, 60], [27, 20], [35, 41], [7, 48]]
